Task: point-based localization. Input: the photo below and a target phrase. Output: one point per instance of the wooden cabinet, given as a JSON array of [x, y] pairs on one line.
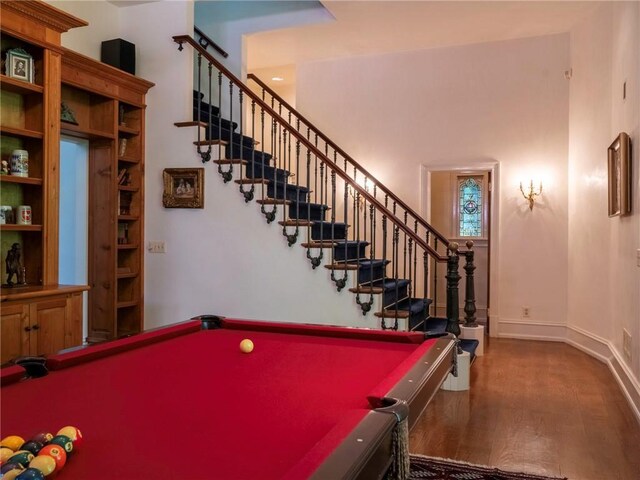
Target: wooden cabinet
[[111, 110], [40, 321]]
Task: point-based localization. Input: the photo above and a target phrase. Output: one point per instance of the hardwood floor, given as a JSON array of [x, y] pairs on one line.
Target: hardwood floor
[[538, 407]]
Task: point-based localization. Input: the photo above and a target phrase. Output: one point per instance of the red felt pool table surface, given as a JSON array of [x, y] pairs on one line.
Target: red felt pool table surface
[[194, 406]]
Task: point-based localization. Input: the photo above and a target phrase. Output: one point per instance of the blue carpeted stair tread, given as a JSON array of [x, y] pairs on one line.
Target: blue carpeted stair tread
[[308, 211], [413, 305], [254, 170], [469, 345], [288, 191], [366, 263], [439, 325], [436, 324], [390, 283], [322, 230]]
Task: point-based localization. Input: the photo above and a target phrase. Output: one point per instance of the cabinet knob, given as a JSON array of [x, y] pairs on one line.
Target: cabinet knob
[[27, 329], [36, 327]]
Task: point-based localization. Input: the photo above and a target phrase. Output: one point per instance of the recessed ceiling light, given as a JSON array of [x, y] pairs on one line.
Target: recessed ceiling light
[[277, 79]]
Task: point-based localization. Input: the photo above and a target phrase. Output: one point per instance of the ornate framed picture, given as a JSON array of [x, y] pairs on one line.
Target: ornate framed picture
[[183, 188], [19, 64], [619, 164]]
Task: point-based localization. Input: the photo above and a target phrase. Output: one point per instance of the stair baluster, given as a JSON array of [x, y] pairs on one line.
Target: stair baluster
[[453, 278], [469, 294]]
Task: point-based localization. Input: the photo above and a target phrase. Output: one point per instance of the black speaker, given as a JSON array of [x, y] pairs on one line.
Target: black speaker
[[120, 54]]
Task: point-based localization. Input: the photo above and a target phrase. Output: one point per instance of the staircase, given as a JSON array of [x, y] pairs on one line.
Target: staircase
[[349, 224]]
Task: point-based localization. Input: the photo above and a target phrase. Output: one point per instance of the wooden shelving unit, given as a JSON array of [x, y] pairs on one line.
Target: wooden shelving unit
[[109, 107], [23, 127], [96, 93], [39, 317]]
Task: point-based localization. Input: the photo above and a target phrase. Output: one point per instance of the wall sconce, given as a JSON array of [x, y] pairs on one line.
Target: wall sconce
[[531, 195]]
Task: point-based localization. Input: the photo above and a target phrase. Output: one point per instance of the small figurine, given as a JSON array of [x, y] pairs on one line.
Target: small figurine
[[67, 115], [13, 263], [5, 168]]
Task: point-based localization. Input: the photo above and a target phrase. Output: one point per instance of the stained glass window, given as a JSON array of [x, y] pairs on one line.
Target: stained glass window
[[470, 205]]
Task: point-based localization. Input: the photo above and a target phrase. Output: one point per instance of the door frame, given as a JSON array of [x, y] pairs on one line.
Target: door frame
[[494, 216]]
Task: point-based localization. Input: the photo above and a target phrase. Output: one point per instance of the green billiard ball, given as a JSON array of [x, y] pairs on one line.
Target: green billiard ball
[[23, 457], [62, 441]]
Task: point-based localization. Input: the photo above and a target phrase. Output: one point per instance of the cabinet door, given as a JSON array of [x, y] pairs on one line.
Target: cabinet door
[[47, 323], [13, 331]]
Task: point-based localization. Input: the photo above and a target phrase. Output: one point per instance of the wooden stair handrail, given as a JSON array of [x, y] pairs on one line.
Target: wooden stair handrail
[[180, 39], [332, 144], [208, 41]]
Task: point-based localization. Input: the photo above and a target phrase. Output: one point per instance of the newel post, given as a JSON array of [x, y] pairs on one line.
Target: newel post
[[470, 293], [453, 278]]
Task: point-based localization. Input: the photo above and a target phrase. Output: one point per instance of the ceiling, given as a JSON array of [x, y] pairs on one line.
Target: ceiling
[[364, 27]]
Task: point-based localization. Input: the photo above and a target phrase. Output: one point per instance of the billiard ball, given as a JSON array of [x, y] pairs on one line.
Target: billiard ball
[[64, 442], [73, 433], [5, 453], [246, 346], [43, 437], [23, 457], [57, 453], [32, 446], [31, 474], [44, 463], [10, 471], [13, 442]]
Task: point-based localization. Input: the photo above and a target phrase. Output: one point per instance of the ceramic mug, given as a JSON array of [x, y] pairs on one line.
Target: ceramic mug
[[24, 215], [6, 214], [20, 163]]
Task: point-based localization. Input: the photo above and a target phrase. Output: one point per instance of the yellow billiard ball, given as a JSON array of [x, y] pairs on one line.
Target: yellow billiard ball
[[246, 346]]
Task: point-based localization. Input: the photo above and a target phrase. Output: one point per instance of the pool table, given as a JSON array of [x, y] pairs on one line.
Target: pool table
[[183, 402]]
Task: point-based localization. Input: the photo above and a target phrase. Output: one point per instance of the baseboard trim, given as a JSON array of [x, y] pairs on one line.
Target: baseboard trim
[[593, 345], [518, 329]]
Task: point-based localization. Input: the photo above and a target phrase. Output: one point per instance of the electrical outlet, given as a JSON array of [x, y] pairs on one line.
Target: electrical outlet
[[526, 312], [156, 247], [626, 343]]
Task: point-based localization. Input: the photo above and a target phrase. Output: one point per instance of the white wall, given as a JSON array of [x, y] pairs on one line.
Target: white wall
[[503, 102], [104, 24], [604, 293]]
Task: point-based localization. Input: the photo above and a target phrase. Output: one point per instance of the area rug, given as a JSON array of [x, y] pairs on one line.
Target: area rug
[[441, 469]]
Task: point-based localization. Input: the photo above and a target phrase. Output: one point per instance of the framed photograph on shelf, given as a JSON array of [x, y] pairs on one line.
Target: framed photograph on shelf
[[19, 64], [183, 188], [619, 165]]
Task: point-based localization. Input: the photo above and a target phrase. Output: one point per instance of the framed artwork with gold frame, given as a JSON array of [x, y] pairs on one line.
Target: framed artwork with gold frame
[[183, 188], [619, 166]]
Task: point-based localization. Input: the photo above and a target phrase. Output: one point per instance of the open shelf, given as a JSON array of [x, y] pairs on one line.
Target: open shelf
[[9, 84], [127, 275], [127, 131], [22, 180], [127, 304], [127, 246], [128, 160], [20, 132], [21, 228], [127, 218], [127, 188], [78, 131]]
